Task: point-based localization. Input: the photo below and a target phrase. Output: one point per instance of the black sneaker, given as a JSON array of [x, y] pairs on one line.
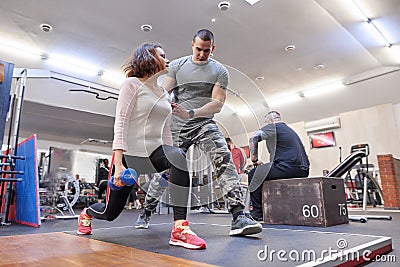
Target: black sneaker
[[243, 225], [143, 221], [257, 217]]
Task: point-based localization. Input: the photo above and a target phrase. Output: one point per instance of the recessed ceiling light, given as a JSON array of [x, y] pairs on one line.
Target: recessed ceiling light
[[319, 66], [44, 56], [260, 78], [290, 48], [224, 5], [213, 20], [146, 27], [46, 27]]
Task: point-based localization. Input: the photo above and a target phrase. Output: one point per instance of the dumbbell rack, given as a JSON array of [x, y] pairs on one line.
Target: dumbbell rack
[[7, 180], [8, 159]]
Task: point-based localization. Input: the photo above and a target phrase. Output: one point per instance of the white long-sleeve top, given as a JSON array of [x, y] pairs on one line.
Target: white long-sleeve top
[[142, 119]]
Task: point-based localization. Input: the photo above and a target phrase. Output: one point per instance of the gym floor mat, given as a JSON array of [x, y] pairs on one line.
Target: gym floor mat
[[275, 245]]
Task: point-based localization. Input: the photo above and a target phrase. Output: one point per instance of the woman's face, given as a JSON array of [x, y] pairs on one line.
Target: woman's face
[[161, 54]]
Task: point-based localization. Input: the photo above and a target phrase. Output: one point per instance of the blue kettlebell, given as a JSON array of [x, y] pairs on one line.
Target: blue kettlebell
[[128, 177]]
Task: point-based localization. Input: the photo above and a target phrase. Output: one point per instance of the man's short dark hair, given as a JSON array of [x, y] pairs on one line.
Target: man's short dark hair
[[205, 35]]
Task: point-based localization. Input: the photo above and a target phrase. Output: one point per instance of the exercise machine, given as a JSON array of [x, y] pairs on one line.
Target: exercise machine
[[364, 183], [59, 192], [358, 153], [356, 185]]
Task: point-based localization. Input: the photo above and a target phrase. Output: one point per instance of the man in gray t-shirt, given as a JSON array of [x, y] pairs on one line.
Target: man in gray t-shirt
[[198, 86], [196, 94]]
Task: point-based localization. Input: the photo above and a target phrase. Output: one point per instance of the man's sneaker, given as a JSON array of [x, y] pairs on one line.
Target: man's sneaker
[[244, 225], [84, 223], [256, 216], [184, 237], [143, 221]]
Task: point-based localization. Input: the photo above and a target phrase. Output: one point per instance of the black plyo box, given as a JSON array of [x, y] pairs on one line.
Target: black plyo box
[[316, 201]]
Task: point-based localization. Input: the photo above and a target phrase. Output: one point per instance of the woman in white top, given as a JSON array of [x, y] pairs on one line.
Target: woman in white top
[[143, 142]]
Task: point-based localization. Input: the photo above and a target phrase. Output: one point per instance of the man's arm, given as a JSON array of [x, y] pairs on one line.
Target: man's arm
[[217, 102], [218, 98], [267, 132], [253, 145]]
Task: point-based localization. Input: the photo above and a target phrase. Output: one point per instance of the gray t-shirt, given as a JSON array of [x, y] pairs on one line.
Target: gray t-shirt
[[194, 84]]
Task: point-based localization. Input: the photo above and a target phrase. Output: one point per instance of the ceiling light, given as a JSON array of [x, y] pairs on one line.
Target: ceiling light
[[283, 100], [115, 77], [46, 27], [252, 2], [323, 89], [146, 27], [213, 20], [64, 63], [371, 74], [44, 56], [378, 34], [319, 66], [356, 9], [372, 25], [223, 6], [82, 83], [74, 65], [19, 50], [260, 78], [290, 48]]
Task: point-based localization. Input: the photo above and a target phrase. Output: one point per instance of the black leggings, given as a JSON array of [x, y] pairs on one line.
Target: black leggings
[[163, 158], [102, 188]]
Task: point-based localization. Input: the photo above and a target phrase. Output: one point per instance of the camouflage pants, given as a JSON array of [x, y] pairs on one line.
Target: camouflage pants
[[211, 142]]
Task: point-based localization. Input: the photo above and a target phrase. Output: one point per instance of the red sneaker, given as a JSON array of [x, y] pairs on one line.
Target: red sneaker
[[184, 237], [84, 223]]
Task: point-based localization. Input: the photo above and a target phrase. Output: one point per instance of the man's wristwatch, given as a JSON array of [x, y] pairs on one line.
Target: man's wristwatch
[[191, 113]]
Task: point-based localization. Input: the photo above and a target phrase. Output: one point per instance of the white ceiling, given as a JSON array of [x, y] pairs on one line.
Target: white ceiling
[[250, 40]]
